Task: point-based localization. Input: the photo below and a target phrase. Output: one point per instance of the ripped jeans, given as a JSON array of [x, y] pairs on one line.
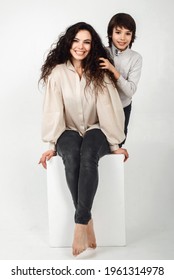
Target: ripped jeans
[[80, 156]]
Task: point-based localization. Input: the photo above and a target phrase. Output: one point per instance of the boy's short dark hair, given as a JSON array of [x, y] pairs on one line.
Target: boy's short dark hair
[[121, 20]]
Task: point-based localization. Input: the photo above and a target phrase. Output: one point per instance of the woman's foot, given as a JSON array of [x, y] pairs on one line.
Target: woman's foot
[[80, 239], [91, 235]]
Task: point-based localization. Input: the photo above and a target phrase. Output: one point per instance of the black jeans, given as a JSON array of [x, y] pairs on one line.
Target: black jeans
[[80, 157], [127, 111]]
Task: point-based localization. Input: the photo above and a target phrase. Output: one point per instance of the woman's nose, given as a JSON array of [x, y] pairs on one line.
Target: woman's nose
[[80, 45]]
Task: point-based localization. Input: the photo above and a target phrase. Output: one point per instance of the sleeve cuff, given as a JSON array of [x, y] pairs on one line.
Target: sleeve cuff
[[114, 148], [52, 146]]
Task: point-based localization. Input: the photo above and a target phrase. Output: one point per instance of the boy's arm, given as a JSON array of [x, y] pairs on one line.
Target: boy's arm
[[129, 85]]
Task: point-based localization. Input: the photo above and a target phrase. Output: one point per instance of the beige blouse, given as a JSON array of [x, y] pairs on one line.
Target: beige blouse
[[69, 105]]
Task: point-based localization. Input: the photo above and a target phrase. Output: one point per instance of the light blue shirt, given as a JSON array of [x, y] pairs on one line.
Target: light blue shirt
[[129, 64]]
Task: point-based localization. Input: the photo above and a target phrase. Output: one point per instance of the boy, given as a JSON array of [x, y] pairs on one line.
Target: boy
[[127, 63]]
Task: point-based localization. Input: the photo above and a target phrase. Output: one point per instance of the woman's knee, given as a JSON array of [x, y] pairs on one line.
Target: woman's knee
[[69, 142], [95, 145]]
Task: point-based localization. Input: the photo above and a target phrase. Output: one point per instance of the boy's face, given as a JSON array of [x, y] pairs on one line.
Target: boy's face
[[121, 37]]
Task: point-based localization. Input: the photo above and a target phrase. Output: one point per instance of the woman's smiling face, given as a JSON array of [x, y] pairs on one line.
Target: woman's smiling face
[[81, 45]]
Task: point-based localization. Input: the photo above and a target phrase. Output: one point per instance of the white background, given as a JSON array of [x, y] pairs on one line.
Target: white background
[[28, 28]]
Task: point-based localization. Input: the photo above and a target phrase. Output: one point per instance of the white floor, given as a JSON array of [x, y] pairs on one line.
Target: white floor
[[34, 245]]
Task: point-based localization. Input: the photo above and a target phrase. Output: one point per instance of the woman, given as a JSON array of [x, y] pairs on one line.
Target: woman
[[83, 119]]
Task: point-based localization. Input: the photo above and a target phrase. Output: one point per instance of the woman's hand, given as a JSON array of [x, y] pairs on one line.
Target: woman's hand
[[122, 151], [46, 156]]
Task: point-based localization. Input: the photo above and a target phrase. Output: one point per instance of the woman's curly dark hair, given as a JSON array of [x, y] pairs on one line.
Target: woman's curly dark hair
[[60, 53]]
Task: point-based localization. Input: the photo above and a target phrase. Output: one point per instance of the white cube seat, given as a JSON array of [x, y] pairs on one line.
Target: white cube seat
[[108, 210]]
